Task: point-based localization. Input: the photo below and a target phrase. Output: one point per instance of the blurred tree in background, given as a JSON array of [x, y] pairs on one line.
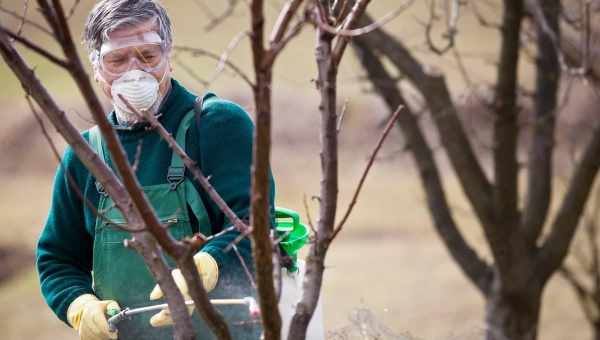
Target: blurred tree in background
[[527, 243]]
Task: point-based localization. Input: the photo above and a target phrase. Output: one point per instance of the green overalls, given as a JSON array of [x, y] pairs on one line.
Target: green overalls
[[120, 274]]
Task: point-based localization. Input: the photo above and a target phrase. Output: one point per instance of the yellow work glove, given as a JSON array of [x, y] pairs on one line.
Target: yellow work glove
[[87, 315], [209, 272]]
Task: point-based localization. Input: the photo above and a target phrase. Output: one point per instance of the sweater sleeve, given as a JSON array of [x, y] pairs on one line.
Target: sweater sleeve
[[64, 250], [226, 134]]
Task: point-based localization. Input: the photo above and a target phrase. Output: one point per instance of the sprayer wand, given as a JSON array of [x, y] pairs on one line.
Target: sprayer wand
[[128, 312]]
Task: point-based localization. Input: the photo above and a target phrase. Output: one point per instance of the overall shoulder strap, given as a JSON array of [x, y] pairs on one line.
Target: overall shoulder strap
[[95, 140], [176, 171]]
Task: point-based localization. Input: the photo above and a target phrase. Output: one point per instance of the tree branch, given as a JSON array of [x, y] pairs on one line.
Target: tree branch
[[433, 87], [260, 217], [474, 268], [350, 22], [452, 14], [505, 193], [326, 84], [583, 296], [195, 51], [556, 245], [215, 320], [194, 169], [349, 33], [539, 191], [27, 21], [36, 48], [378, 146], [283, 21]]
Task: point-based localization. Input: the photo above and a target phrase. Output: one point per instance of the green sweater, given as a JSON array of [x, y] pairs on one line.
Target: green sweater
[[221, 146]]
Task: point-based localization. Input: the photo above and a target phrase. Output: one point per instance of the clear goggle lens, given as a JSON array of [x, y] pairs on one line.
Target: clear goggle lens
[[145, 51], [147, 57]]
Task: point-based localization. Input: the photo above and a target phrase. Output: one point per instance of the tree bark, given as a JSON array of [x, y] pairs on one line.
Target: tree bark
[[511, 316], [329, 188], [539, 191], [262, 245]]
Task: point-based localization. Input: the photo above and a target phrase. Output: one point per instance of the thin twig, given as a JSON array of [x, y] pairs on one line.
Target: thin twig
[[238, 239], [138, 155], [323, 12], [217, 20], [342, 12], [281, 44], [38, 118], [450, 35], [27, 21], [385, 133], [225, 55], [482, 20], [196, 51], [191, 165], [190, 71], [308, 218], [73, 8], [24, 19], [36, 48], [70, 177], [283, 21], [366, 29], [82, 117], [583, 295], [540, 19], [52, 19], [341, 116], [206, 10], [243, 263], [462, 68]]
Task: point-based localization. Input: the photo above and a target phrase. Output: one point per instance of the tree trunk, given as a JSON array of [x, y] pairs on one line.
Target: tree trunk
[[513, 315]]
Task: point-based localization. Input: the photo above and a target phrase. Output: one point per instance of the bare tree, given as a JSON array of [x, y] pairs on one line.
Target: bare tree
[[524, 255], [583, 272]]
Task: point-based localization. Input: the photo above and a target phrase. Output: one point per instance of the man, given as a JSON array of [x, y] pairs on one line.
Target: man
[[130, 43]]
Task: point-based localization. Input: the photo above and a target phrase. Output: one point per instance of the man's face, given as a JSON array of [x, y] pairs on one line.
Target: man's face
[[130, 50]]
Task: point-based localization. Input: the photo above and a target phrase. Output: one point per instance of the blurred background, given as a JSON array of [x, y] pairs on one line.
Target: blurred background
[[388, 267]]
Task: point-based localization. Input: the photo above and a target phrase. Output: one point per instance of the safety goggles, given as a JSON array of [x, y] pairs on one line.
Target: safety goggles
[[145, 52]]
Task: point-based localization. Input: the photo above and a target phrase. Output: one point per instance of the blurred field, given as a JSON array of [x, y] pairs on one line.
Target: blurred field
[[388, 259]]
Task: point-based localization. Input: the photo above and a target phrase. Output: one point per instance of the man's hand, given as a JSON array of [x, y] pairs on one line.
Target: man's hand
[[87, 315], [209, 272]]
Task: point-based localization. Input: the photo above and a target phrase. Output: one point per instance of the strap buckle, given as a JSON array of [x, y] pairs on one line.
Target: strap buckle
[[175, 176], [100, 189]]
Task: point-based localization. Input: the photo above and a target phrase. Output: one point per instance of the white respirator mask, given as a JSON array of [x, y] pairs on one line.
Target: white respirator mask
[[141, 90]]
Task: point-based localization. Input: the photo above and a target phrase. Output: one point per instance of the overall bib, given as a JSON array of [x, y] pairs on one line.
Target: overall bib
[[120, 274]]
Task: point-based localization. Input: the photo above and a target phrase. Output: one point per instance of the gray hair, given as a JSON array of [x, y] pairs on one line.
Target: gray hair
[[109, 15]]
